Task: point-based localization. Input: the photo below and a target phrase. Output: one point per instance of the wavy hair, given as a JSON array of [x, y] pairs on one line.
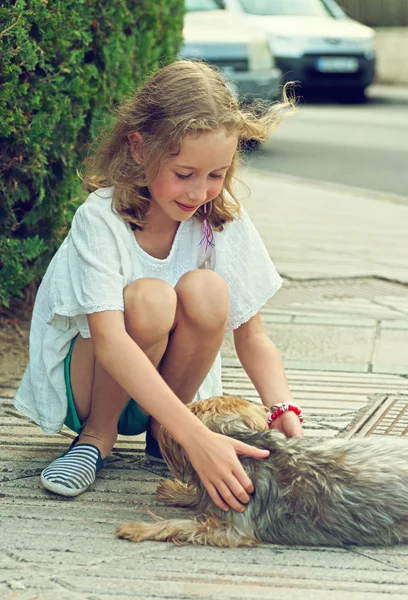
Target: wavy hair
[[185, 97]]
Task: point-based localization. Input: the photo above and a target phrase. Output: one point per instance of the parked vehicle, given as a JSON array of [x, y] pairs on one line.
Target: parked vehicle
[[242, 53], [314, 42]]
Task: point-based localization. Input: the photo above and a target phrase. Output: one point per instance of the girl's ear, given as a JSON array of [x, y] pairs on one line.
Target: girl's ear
[[135, 144]]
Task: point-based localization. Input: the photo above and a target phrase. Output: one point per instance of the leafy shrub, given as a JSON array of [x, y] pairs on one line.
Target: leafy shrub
[[64, 64]]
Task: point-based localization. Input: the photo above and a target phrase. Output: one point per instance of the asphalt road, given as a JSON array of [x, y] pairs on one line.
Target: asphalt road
[[364, 146]]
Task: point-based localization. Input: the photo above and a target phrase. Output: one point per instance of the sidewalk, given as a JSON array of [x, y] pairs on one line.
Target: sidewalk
[[341, 323]]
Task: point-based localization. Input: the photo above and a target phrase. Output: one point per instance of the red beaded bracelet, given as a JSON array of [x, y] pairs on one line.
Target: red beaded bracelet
[[278, 409]]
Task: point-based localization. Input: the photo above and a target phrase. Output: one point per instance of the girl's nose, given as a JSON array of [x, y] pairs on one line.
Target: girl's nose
[[198, 192]]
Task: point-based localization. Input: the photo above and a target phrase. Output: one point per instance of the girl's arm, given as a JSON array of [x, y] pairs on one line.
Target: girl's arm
[[212, 455], [263, 364]]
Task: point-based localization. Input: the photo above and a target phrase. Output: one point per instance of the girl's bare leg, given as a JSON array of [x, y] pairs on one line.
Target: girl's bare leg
[[201, 316], [180, 330], [150, 308]]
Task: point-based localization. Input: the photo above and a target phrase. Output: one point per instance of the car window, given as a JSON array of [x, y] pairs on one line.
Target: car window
[[199, 5], [298, 8]]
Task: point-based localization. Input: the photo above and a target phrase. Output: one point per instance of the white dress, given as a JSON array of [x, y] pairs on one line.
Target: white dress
[[98, 258]]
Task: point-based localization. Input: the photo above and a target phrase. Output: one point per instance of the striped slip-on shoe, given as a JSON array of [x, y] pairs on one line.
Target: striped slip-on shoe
[[73, 472]]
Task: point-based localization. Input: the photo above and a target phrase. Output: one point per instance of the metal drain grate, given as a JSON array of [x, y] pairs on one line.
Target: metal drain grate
[[391, 418]]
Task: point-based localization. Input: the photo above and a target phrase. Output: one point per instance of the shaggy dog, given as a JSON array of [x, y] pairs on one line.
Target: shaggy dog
[[309, 492]]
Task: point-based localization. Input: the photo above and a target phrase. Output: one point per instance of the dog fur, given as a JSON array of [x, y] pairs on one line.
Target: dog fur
[[310, 492]]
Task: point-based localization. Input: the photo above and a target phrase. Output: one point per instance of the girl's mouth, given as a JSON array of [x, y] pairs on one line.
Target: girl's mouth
[[186, 208]]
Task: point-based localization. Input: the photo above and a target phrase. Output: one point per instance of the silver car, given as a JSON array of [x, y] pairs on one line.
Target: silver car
[[242, 53], [314, 42]]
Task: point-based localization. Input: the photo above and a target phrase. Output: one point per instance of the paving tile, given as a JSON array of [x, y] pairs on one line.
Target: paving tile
[[318, 344], [391, 352], [334, 320], [393, 324], [399, 303], [314, 346], [295, 238], [298, 583]]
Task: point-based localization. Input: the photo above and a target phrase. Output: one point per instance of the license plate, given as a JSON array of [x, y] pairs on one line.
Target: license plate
[[337, 65]]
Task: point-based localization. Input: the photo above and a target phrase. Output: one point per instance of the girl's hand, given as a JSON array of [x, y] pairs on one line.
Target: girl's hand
[[289, 424], [215, 460]]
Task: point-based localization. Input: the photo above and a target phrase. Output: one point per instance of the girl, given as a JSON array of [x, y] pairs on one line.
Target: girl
[[159, 262]]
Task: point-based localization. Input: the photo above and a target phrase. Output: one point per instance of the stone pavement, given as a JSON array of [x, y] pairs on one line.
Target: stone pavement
[[341, 323]]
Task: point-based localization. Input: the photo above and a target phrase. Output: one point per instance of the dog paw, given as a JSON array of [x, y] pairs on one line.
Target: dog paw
[[134, 531]]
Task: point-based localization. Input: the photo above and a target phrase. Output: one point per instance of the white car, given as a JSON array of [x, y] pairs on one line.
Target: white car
[[242, 53], [314, 42]]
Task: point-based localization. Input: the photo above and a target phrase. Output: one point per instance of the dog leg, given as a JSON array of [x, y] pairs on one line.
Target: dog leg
[[171, 530], [209, 532], [174, 492]]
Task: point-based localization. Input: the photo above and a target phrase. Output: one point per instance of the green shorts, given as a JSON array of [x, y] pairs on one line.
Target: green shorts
[[131, 421]]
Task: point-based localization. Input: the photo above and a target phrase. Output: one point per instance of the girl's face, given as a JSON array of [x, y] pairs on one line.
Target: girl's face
[[194, 176]]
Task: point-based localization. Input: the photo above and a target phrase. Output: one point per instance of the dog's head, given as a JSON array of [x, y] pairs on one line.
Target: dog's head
[[223, 414]]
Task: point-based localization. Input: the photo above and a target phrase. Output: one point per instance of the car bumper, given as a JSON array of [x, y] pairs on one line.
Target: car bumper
[[305, 71]]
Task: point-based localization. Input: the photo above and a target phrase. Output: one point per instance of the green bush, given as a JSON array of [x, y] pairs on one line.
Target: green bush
[[64, 64]]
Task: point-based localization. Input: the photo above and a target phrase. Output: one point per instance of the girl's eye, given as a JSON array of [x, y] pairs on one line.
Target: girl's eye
[[213, 176]]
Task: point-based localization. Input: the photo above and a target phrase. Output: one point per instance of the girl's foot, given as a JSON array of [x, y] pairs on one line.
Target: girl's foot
[[73, 472]]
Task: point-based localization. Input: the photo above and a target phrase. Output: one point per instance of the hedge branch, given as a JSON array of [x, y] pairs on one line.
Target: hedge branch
[[3, 33]]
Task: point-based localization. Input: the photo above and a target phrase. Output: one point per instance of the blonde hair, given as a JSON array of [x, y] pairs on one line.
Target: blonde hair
[[182, 98]]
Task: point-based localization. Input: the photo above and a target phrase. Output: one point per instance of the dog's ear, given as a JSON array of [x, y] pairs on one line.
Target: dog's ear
[[174, 455]]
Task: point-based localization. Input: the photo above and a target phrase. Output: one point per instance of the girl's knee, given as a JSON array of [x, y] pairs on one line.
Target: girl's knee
[[203, 296], [150, 307]]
